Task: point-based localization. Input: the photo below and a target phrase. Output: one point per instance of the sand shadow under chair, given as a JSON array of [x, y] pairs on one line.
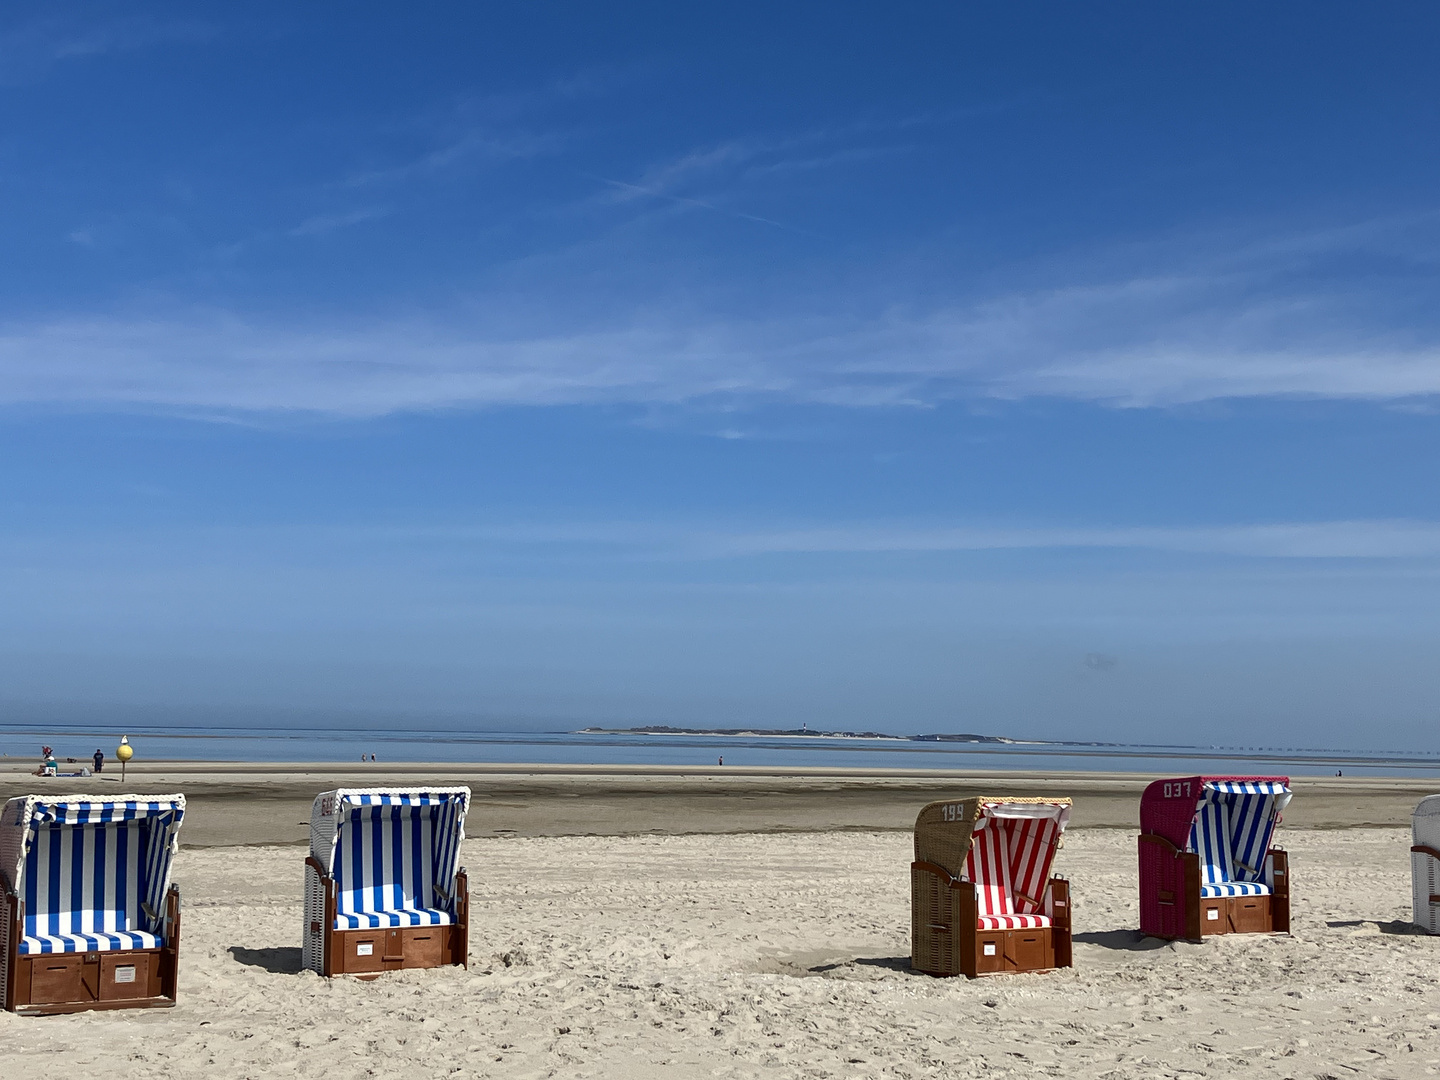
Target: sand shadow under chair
[[1374, 926], [284, 961], [1121, 940]]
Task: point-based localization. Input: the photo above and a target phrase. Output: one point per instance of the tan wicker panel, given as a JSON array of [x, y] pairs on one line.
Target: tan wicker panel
[[934, 948]]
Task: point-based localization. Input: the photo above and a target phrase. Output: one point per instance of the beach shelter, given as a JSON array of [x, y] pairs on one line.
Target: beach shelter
[[383, 885], [91, 919], [982, 900], [1425, 863], [1206, 864]]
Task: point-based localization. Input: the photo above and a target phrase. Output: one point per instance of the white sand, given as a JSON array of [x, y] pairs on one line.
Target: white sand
[[776, 956]]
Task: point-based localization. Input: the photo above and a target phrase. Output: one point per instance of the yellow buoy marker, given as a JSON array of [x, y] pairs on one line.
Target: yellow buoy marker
[[124, 752]]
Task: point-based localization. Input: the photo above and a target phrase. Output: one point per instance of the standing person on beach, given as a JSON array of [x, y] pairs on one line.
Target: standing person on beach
[[99, 760]]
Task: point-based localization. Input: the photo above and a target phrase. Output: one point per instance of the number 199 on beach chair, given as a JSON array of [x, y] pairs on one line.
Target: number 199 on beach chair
[[981, 897], [1206, 864], [91, 919], [383, 886]]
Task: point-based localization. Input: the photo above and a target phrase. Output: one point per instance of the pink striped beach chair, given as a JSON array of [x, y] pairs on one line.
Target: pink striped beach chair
[[982, 900]]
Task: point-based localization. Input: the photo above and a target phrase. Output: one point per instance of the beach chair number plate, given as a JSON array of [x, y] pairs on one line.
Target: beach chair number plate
[[951, 811], [366, 948], [124, 974], [1213, 914], [1178, 790], [989, 949]]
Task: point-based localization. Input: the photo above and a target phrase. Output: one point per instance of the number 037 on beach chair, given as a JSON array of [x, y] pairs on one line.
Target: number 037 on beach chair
[[981, 897], [383, 885], [91, 919], [1206, 864]]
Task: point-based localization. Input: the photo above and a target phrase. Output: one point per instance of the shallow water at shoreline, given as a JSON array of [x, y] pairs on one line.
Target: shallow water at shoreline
[[594, 748]]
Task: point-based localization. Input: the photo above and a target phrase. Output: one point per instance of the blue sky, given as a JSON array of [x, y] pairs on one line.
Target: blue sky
[[1046, 370]]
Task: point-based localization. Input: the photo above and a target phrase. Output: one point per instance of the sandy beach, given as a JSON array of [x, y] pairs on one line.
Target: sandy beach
[[684, 924]]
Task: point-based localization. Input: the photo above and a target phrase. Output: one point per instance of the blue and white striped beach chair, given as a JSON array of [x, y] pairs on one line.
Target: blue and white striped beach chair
[[1206, 864], [91, 918], [383, 886]]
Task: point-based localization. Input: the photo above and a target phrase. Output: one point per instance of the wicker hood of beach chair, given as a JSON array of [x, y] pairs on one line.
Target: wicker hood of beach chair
[[1425, 863], [1207, 865], [384, 888], [91, 919], [982, 900]]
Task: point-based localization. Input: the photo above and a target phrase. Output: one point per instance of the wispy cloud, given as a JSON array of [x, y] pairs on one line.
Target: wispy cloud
[[1303, 540], [29, 49], [324, 223], [486, 129], [720, 177], [1256, 320]]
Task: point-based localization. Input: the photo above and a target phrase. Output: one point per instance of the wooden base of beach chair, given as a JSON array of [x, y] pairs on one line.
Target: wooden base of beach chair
[[1171, 906], [945, 938], [75, 982], [48, 983], [369, 953]]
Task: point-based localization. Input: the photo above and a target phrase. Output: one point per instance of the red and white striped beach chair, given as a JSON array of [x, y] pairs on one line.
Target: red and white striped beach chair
[[91, 919], [1425, 863], [383, 885], [981, 897], [1206, 863]]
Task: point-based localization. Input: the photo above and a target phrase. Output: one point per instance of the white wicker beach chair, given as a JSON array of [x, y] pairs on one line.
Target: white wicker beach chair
[[1425, 863], [91, 919], [383, 886]]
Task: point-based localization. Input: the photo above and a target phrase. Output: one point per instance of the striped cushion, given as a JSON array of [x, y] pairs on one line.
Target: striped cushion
[[82, 885], [63, 943], [1008, 862], [386, 867], [371, 920], [1232, 831], [1236, 888], [1014, 922], [1210, 837]]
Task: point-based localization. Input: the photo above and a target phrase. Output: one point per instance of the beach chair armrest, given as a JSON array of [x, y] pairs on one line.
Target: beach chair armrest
[[314, 864], [938, 870], [1161, 842], [1424, 849]]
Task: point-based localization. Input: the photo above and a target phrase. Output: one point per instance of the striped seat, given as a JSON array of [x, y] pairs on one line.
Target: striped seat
[[1235, 888], [1013, 922], [388, 869], [1007, 862], [63, 943], [83, 886], [1231, 833]]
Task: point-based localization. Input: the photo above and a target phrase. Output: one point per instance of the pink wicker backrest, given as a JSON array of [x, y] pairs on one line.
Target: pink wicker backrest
[[1167, 807]]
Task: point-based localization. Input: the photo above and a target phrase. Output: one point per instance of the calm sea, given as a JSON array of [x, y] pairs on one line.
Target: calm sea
[[577, 748]]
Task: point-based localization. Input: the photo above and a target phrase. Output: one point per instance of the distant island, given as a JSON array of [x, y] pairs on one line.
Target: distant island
[[800, 733]]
